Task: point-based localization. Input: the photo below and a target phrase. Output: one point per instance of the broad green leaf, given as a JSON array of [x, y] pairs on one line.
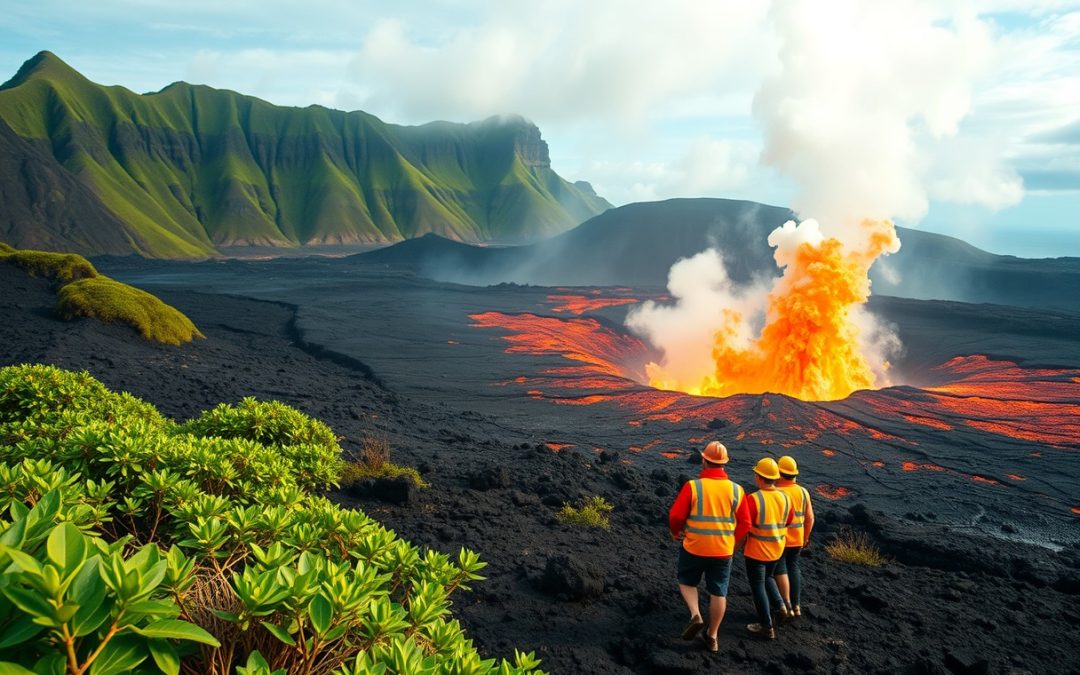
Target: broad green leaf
[[152, 577], [25, 562], [279, 632], [67, 546], [321, 612], [88, 590], [9, 668], [51, 664], [165, 656], [162, 609], [120, 655], [29, 601], [19, 631], [46, 508], [179, 630], [14, 535]]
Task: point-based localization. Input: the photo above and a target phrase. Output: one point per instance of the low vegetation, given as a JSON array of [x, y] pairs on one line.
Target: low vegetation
[[374, 462], [594, 513], [82, 292], [110, 301], [60, 267], [131, 543], [856, 548]]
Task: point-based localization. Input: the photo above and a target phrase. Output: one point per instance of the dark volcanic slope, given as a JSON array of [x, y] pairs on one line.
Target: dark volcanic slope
[[949, 600], [636, 245]]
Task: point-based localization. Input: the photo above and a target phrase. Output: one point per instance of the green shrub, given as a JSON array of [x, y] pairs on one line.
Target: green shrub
[[308, 445], [60, 267], [233, 561], [4, 248], [46, 402], [855, 548], [374, 462], [108, 300], [594, 513], [76, 603]]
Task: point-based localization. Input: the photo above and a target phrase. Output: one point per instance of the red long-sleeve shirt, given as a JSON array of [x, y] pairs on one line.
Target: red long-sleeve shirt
[[681, 508]]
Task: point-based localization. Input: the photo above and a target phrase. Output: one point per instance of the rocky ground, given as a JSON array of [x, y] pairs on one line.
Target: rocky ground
[[587, 601]]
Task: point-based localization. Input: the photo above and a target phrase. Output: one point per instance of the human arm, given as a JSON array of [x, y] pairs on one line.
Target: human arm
[[744, 515], [808, 520], [679, 511]]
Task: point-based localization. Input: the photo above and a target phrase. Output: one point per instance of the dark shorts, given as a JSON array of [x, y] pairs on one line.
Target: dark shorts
[[717, 572], [789, 553]]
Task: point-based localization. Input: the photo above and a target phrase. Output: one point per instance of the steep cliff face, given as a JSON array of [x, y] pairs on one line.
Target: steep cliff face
[[190, 168]]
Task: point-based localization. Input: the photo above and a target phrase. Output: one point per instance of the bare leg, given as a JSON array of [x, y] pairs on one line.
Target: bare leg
[[717, 608], [690, 597], [784, 585]]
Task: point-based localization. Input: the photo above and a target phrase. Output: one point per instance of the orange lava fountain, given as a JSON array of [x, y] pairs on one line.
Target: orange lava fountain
[[810, 346]]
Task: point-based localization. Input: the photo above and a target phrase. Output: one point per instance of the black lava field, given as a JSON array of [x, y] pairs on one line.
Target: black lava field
[[513, 400]]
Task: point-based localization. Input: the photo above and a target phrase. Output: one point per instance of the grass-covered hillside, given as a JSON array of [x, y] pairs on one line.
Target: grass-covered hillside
[[83, 292], [188, 169], [132, 543]]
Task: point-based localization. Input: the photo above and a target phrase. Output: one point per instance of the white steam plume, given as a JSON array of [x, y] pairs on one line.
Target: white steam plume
[[862, 94]]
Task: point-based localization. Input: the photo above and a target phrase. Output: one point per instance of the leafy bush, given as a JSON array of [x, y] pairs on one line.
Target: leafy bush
[[856, 548], [107, 300], [594, 513], [60, 267], [76, 603], [374, 462], [4, 248], [131, 542]]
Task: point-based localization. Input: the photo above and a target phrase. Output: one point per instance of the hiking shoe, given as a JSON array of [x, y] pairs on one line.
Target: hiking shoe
[[757, 630], [781, 616], [711, 643], [693, 628]]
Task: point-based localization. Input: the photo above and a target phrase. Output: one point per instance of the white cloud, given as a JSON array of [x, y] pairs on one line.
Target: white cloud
[[864, 96], [604, 61], [708, 167]]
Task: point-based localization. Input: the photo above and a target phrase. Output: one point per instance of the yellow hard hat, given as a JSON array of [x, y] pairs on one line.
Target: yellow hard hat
[[767, 469], [716, 453], [788, 466]]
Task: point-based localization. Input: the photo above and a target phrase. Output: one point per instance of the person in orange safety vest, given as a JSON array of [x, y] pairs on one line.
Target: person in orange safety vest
[[771, 512], [710, 515], [782, 592]]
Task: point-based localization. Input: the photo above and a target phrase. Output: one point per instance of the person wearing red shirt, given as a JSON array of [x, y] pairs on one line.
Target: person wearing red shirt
[[710, 515]]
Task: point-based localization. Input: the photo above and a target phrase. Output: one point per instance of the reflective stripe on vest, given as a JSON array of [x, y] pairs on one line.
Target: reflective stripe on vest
[[796, 530], [769, 530], [710, 525]]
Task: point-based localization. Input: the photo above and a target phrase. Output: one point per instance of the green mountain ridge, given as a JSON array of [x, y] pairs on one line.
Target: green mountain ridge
[[188, 169]]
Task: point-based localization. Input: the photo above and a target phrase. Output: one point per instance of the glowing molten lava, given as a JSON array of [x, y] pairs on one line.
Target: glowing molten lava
[[812, 346]]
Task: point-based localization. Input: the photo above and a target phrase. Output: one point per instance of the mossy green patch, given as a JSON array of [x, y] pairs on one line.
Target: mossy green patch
[[85, 293], [60, 267], [109, 301]]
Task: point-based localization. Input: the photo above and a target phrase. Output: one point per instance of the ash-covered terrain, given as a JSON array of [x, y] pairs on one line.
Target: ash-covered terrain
[[513, 400]]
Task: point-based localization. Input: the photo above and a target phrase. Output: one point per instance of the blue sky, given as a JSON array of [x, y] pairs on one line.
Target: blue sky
[[656, 100]]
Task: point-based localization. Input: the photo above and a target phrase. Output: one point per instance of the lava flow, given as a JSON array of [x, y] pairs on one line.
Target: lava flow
[[815, 344], [974, 393]]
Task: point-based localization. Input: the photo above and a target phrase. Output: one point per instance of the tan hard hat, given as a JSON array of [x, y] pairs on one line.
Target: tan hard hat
[[788, 466], [767, 469], [716, 452]]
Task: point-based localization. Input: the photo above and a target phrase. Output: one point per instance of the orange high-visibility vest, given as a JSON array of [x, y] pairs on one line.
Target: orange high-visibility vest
[[800, 501], [710, 527], [767, 532]]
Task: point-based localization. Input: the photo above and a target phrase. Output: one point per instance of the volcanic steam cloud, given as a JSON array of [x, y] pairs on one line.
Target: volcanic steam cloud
[[815, 342]]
